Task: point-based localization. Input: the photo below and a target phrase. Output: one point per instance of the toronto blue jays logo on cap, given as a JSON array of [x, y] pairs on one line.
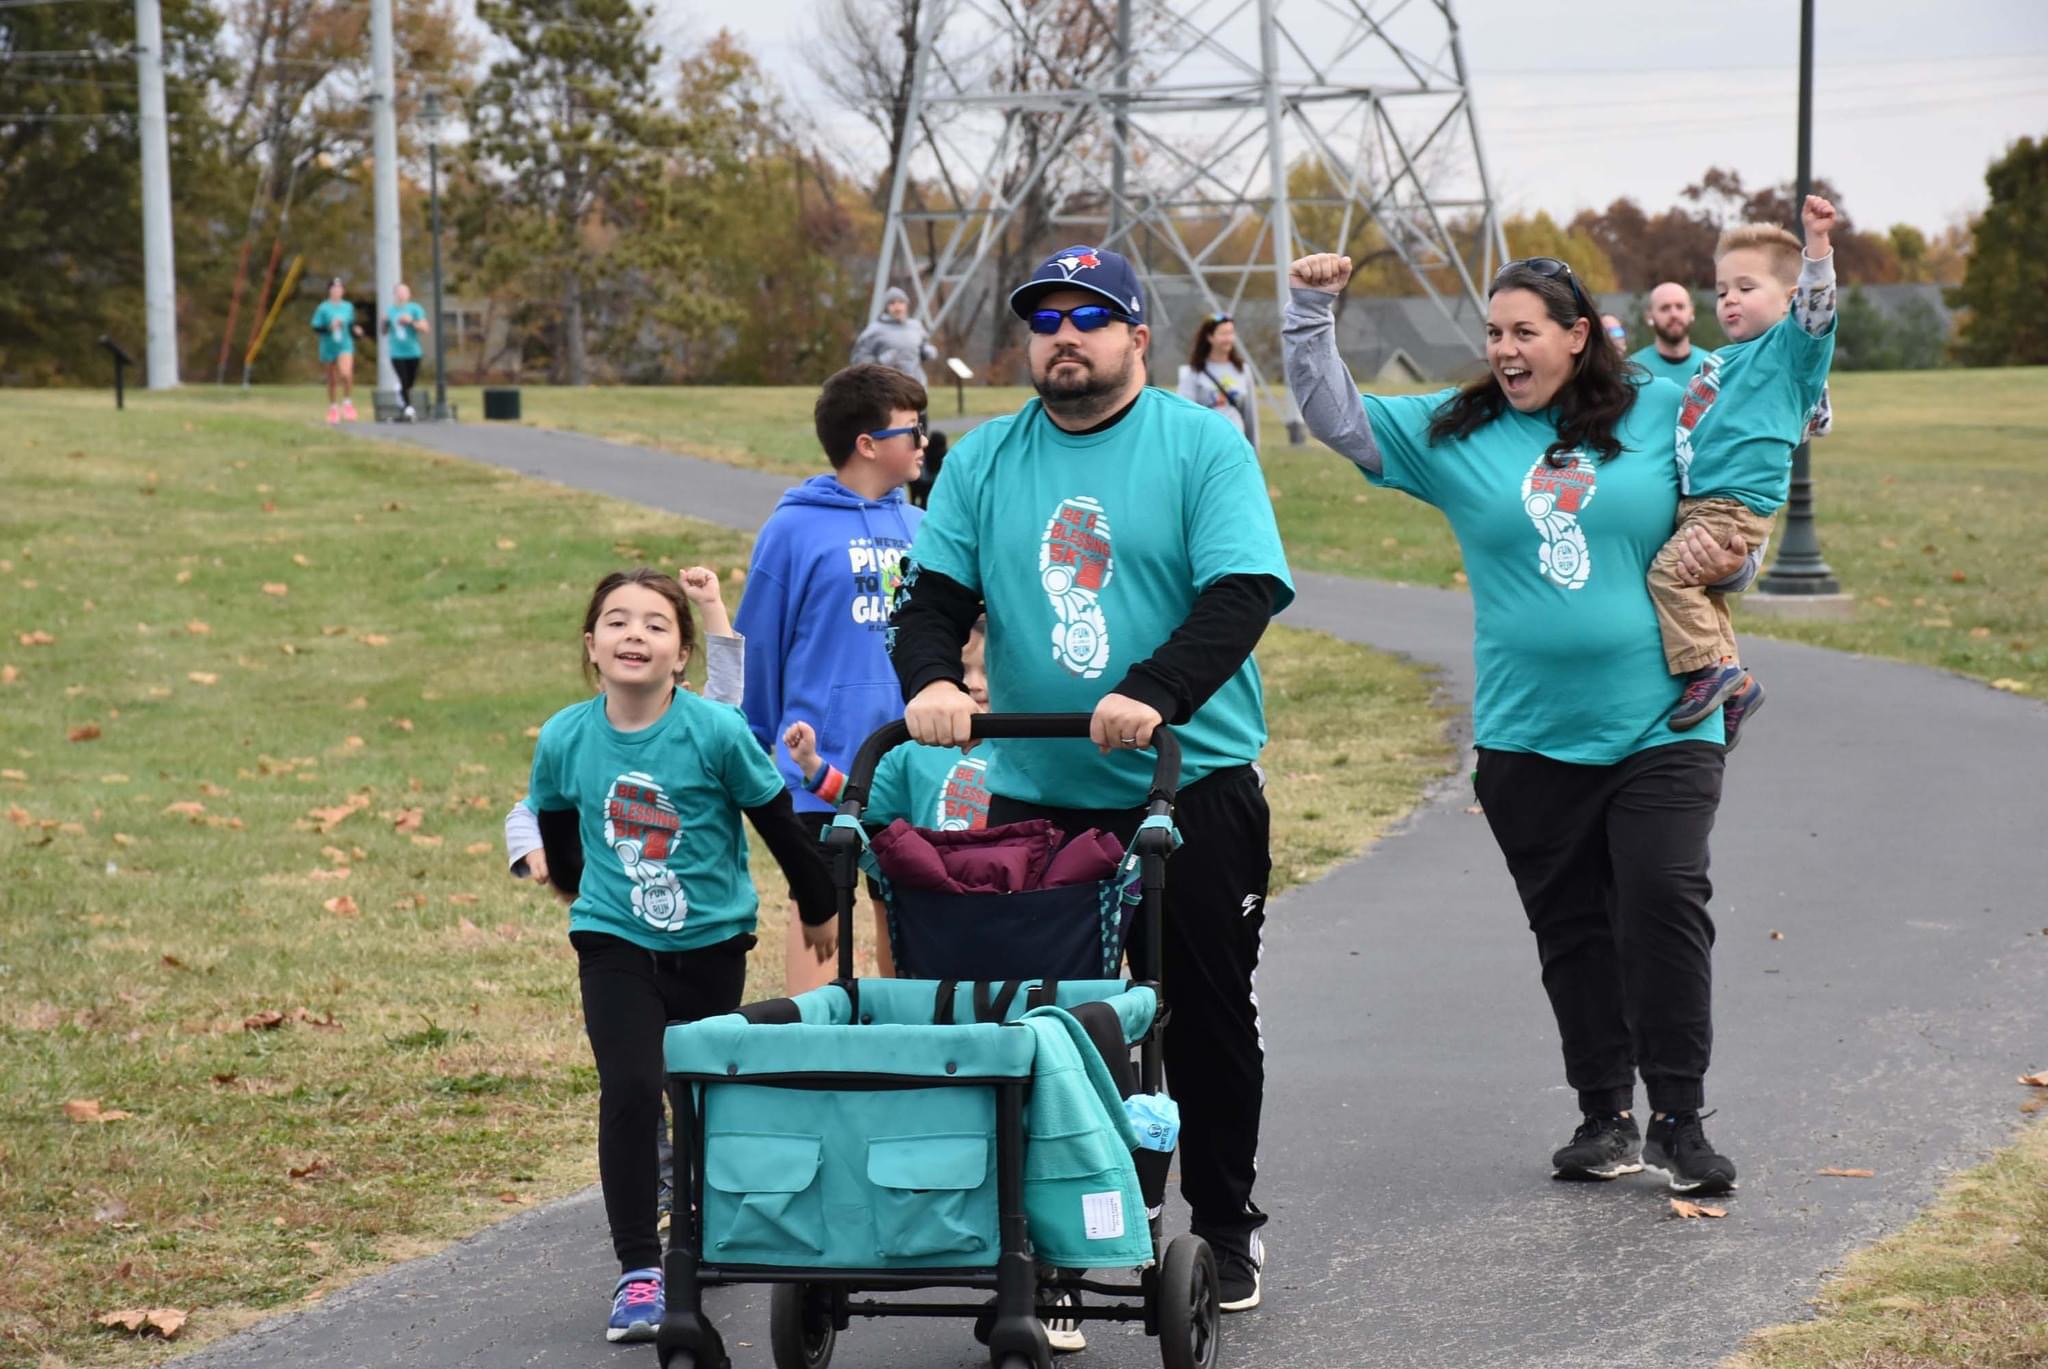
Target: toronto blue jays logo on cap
[[1097, 270]]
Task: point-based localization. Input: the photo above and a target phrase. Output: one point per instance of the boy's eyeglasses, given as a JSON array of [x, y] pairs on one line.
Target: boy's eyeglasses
[[1551, 268], [1086, 317], [1617, 333], [922, 428]]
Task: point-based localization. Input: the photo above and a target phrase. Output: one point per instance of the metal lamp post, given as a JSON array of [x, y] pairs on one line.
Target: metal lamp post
[[1800, 569], [430, 115]]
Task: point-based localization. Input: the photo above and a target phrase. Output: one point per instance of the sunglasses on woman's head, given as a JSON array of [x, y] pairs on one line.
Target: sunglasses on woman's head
[[1086, 317], [1219, 318], [1551, 268]]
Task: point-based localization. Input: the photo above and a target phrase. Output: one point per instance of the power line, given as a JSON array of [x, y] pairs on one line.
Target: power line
[[30, 4]]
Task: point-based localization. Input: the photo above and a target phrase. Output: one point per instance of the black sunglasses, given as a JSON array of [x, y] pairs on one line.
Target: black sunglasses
[[1086, 317], [1551, 268]]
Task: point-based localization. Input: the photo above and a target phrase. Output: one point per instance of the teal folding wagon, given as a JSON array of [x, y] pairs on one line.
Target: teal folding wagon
[[881, 1138]]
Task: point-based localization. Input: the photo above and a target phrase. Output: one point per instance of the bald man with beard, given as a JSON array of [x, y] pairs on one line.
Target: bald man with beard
[[1672, 355]]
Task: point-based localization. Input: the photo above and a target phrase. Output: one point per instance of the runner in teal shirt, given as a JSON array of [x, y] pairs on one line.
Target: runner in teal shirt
[[658, 810], [402, 329], [335, 322], [1557, 473]]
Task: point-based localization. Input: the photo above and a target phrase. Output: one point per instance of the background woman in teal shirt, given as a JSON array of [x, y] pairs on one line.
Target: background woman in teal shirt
[[1556, 472], [335, 322]]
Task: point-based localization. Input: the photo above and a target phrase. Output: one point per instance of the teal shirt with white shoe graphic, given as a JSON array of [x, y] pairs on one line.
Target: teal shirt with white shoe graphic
[[936, 787], [335, 322], [659, 812], [405, 333], [1749, 406], [1089, 551], [1566, 650]]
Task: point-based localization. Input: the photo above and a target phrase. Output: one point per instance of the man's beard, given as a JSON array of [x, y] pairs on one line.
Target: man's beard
[[1673, 333], [1086, 393]]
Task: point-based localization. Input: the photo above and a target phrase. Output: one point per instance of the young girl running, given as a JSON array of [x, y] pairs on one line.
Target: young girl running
[[335, 322], [657, 779]]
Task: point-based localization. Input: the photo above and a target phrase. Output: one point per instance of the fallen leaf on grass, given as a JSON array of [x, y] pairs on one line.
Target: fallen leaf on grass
[[327, 819], [171, 962], [531, 733], [225, 1079], [183, 577], [85, 732], [123, 839], [20, 816], [342, 906], [402, 724], [2037, 1080], [276, 589], [477, 848], [325, 1021], [308, 1169], [420, 840], [19, 775], [1834, 1172], [508, 1197], [2032, 1106], [411, 901], [197, 628], [353, 743], [407, 819], [299, 559], [1958, 577], [2010, 686], [190, 808], [89, 1110], [337, 873], [202, 677], [263, 1021], [1681, 1208], [507, 544], [8, 674], [374, 639], [463, 901], [165, 1321], [211, 790], [36, 638]]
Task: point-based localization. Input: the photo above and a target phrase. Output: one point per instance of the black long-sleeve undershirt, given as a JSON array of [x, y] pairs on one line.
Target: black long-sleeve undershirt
[[932, 621]]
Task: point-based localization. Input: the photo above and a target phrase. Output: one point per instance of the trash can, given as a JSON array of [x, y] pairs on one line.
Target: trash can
[[501, 405]]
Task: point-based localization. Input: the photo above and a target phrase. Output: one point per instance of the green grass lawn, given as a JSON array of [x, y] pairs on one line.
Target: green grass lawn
[[265, 694], [1931, 496]]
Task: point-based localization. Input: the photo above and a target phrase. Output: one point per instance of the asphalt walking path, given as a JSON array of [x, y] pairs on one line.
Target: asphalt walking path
[[1888, 820]]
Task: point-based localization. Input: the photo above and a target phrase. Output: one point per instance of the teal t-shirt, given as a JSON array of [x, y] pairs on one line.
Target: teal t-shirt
[[659, 810], [335, 322], [405, 337], [937, 787], [1745, 412], [1089, 550], [1568, 658], [1662, 367]]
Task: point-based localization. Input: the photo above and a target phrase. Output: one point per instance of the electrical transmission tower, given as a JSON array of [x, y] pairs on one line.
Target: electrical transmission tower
[[1210, 140]]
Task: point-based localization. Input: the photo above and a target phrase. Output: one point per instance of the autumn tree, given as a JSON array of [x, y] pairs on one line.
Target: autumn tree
[[2007, 278], [1539, 235], [1645, 250]]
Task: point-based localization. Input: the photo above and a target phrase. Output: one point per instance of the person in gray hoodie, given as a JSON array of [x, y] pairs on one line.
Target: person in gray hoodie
[[895, 339]]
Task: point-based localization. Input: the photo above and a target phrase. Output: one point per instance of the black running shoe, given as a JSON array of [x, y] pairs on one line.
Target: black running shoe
[[1678, 1145], [1239, 1261], [1606, 1146]]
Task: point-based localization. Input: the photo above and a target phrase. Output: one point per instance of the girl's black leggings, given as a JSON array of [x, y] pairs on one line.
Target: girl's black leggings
[[630, 995]]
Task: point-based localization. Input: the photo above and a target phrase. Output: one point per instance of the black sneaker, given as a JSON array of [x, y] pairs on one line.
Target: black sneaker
[[1678, 1145], [1606, 1146], [1238, 1262]]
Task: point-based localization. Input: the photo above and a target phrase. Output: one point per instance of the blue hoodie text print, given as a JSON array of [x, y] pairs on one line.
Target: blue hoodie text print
[[877, 564]]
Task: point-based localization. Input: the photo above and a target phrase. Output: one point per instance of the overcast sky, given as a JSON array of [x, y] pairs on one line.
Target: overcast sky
[[1582, 102]]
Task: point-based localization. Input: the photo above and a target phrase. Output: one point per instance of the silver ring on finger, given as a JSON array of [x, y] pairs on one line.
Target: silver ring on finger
[[1128, 741]]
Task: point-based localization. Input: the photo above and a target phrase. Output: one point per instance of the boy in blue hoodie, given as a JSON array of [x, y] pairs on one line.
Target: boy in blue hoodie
[[817, 599]]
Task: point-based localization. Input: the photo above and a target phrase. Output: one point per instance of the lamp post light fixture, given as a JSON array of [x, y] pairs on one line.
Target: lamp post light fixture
[[430, 115]]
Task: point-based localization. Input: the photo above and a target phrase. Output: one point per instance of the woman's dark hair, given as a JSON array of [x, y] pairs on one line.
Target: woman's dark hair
[[1590, 404], [1198, 355], [649, 578]]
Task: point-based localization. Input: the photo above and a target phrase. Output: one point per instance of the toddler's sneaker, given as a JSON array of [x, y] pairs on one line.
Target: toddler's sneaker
[[1705, 689], [348, 411], [1678, 1145], [637, 1306], [333, 414], [1740, 705], [1606, 1146]]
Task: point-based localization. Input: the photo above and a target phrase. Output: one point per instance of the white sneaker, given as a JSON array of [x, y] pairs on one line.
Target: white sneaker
[[1239, 1274], [410, 416], [1063, 1334]]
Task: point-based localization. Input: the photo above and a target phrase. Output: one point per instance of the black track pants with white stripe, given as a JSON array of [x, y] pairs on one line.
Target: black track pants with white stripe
[[1215, 916]]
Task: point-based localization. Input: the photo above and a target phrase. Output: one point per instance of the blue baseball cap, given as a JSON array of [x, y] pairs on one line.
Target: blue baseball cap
[[1096, 270]]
